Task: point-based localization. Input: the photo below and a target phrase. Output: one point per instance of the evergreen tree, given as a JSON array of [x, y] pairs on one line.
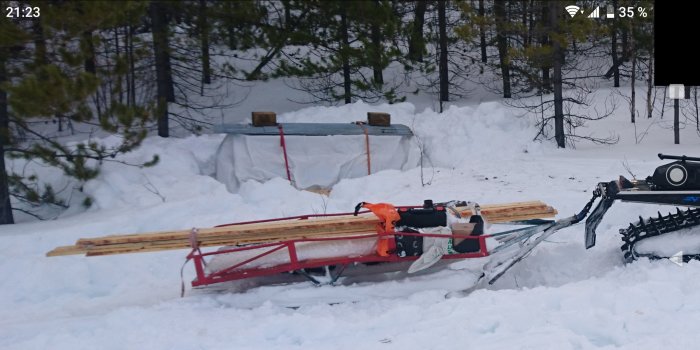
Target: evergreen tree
[[542, 52], [201, 70], [416, 42], [502, 43], [447, 64], [158, 11], [350, 46], [60, 75]]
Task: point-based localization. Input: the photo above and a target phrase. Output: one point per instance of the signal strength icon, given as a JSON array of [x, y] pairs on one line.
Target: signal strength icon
[[595, 13], [572, 10]]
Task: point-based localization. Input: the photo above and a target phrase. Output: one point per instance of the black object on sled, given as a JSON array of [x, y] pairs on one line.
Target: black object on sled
[[414, 218]]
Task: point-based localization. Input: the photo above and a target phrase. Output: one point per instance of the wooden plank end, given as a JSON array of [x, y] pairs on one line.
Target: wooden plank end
[[66, 250]]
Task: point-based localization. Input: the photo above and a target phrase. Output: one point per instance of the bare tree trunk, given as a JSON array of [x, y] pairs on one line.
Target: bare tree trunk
[[39, 42], [444, 81], [663, 102], [634, 81], [525, 34], [163, 73], [376, 35], [132, 68], [499, 8], [482, 31], [345, 46], [650, 85], [204, 36], [697, 109], [615, 58], [120, 90], [531, 22], [557, 63], [127, 52], [544, 41], [287, 13], [4, 112], [417, 42], [676, 122], [90, 58], [625, 45], [5, 205]]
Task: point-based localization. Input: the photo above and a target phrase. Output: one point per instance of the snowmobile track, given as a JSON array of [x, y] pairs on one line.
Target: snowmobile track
[[653, 227]]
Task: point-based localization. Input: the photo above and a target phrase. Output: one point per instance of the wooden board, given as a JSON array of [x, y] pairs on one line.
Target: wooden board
[[378, 119], [264, 119], [277, 231]]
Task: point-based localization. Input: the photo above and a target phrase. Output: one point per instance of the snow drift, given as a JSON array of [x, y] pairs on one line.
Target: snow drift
[[560, 297]]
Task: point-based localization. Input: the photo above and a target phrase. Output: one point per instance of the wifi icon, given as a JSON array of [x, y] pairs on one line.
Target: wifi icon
[[572, 10]]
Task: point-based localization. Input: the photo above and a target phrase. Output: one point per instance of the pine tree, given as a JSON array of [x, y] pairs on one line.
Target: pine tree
[[546, 51], [350, 48], [67, 72], [442, 56], [416, 42], [197, 67], [499, 10], [161, 51], [448, 60]]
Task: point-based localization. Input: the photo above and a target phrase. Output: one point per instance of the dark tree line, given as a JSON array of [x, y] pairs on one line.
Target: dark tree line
[[129, 68]]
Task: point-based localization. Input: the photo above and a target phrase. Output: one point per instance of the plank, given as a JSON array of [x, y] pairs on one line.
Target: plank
[[341, 224], [276, 231], [146, 247], [67, 250], [347, 224]]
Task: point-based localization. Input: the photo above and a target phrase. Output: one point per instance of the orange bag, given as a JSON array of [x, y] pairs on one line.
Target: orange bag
[[388, 214]]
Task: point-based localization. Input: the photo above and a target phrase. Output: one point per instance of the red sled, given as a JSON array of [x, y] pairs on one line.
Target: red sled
[[251, 261]]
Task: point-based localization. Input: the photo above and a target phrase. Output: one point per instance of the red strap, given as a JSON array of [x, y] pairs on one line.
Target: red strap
[[284, 151], [369, 159]]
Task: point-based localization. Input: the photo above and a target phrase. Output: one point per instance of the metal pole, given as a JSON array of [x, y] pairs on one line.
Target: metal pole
[[676, 92], [676, 131]]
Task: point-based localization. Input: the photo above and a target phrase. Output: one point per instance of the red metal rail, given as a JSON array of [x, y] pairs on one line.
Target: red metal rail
[[239, 270]]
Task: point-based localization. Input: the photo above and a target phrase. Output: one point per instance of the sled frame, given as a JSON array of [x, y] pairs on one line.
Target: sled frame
[[239, 270]]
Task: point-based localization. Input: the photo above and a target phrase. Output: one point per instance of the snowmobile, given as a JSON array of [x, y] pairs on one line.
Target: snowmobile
[[675, 183]]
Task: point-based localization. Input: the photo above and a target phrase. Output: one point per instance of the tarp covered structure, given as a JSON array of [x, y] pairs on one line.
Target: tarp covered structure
[[318, 155]]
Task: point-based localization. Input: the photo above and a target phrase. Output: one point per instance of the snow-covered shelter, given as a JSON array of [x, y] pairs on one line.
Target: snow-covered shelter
[[312, 155]]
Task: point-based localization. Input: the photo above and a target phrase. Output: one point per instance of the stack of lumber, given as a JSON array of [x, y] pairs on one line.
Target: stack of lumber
[[515, 211], [275, 231]]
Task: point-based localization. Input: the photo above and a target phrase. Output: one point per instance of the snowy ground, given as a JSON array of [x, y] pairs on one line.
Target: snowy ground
[[561, 297]]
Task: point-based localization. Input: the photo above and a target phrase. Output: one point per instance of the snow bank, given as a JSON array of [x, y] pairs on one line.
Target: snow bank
[[561, 297], [458, 136], [449, 139], [686, 241], [183, 171]]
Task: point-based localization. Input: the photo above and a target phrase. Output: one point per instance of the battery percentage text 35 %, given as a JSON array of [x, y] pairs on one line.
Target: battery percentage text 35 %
[[629, 12]]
